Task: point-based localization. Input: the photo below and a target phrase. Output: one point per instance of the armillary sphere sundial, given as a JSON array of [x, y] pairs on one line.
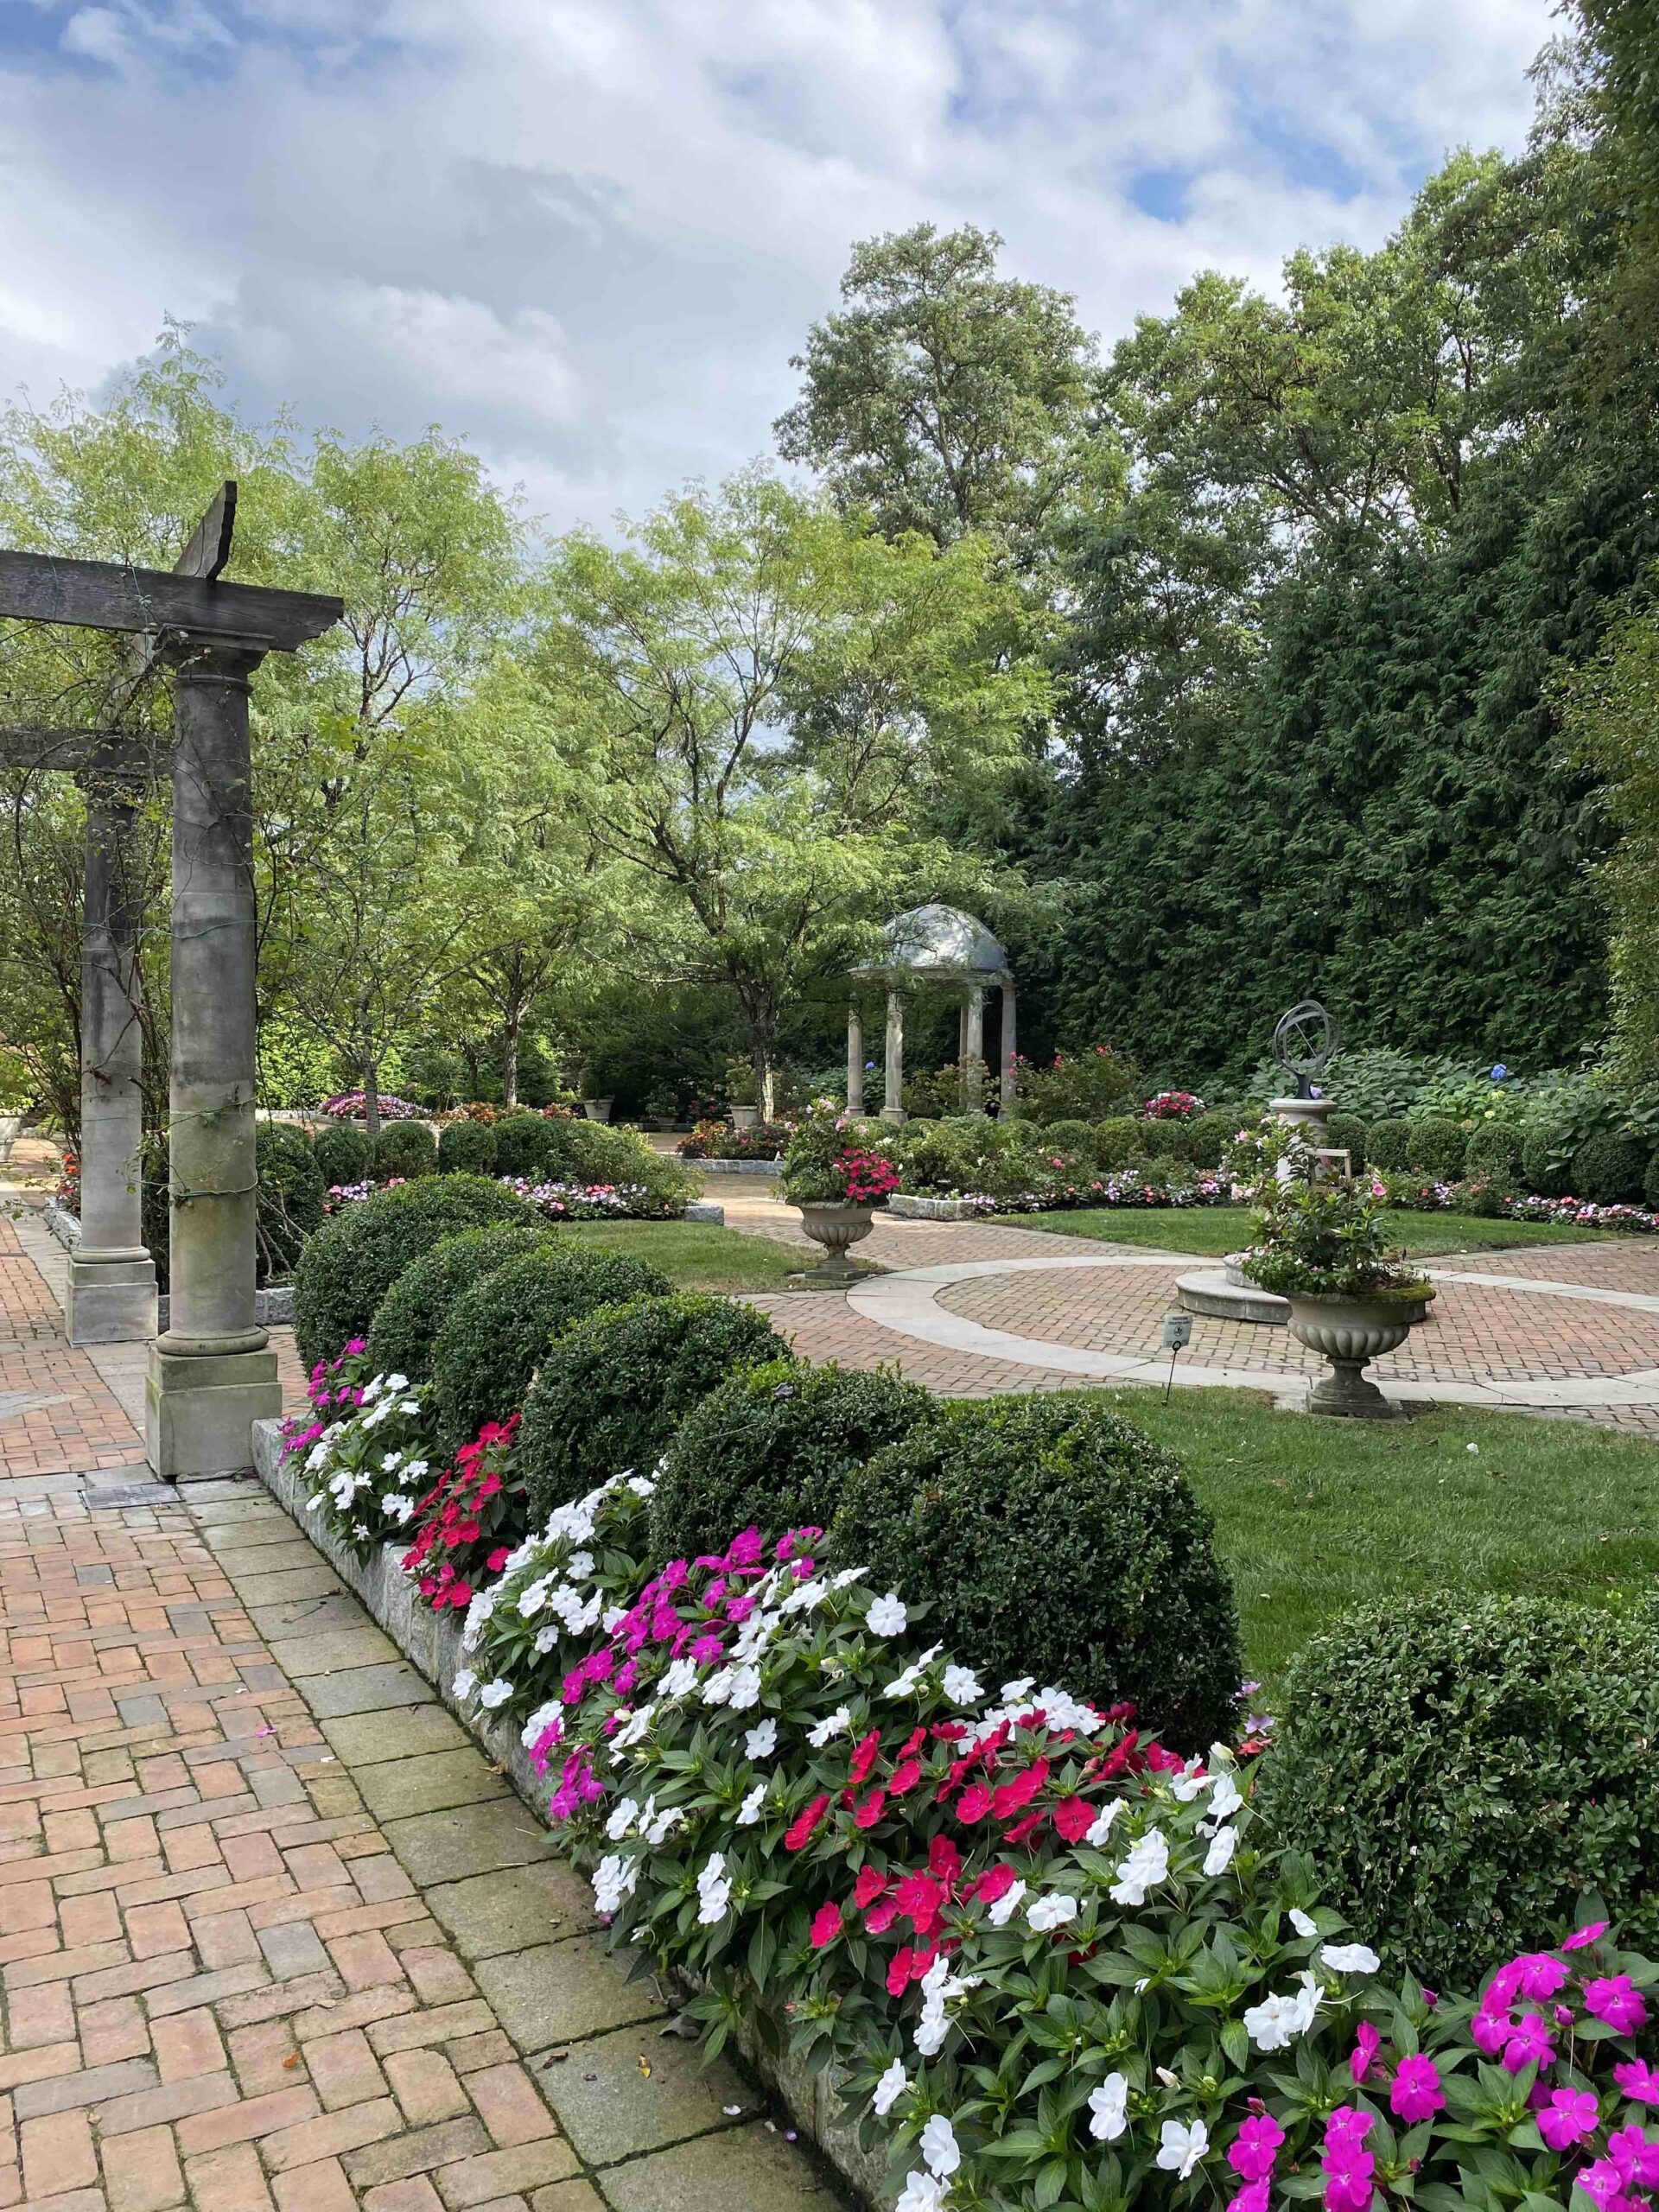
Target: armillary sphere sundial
[[1304, 1042]]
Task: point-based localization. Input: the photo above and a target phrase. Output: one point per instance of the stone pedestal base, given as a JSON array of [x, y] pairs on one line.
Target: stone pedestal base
[[200, 1407], [110, 1301]]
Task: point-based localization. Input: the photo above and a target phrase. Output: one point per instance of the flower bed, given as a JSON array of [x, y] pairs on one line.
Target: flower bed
[[353, 1105], [1046, 1961], [720, 1140], [555, 1201], [1477, 1196]]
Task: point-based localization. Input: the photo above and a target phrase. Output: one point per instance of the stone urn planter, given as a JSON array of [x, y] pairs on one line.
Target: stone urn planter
[[1350, 1332], [10, 1126], [744, 1117], [597, 1110], [836, 1225]]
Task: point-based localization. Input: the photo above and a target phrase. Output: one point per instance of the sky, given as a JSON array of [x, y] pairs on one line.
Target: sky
[[587, 235]]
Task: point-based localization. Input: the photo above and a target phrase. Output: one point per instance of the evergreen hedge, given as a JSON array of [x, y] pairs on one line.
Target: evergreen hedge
[[1495, 1151], [403, 1150], [1466, 1770], [1541, 1166], [1050, 1537], [1347, 1132], [524, 1146], [343, 1153], [1437, 1147], [406, 1321], [1388, 1145], [615, 1387], [292, 1195], [467, 1148], [1609, 1169], [1116, 1141]]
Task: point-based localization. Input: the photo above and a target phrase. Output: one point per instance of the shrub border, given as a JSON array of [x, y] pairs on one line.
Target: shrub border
[[433, 1646]]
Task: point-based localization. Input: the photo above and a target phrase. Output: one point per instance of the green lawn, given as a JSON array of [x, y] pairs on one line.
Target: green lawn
[[1315, 1516], [694, 1255], [1224, 1229]]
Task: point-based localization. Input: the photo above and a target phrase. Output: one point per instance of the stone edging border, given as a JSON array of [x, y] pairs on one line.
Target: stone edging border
[[272, 1309], [432, 1646], [735, 1166]]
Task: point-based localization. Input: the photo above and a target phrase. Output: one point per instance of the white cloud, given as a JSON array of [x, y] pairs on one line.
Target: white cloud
[[588, 233]]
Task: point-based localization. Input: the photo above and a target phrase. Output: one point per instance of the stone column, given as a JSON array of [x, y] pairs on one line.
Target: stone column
[[1008, 1047], [111, 1297], [211, 1375], [973, 1060], [894, 1110], [854, 1060]]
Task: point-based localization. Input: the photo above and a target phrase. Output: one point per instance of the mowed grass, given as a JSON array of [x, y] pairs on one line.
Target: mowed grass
[[1224, 1229], [1315, 1516], [695, 1255]]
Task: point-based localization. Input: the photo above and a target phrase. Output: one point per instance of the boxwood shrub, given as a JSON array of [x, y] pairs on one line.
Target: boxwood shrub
[[1165, 1139], [1545, 1163], [404, 1150], [1495, 1151], [1388, 1143], [406, 1321], [615, 1387], [1116, 1141], [1465, 1771], [343, 1153], [1051, 1537], [292, 1194], [1209, 1136], [1437, 1147], [1650, 1183], [467, 1148], [1347, 1132], [1610, 1169], [495, 1334], [772, 1449], [523, 1146], [351, 1263]]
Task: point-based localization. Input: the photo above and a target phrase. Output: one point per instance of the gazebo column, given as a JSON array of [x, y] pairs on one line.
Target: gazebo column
[[892, 1108], [973, 1058], [854, 1060], [1008, 1047], [212, 1375], [112, 1295]]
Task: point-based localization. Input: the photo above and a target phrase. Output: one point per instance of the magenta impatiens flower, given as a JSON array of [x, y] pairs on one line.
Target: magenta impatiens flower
[[1366, 2042], [1636, 2154], [1491, 2030], [1530, 2043], [1349, 2167], [1639, 2081], [1581, 1938], [1252, 2197], [1538, 1975], [1415, 2093], [1616, 1999], [1568, 2117], [1253, 2150]]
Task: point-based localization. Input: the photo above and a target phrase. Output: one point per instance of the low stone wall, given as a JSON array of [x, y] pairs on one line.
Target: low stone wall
[[272, 1309], [735, 1167], [433, 1645], [911, 1209]]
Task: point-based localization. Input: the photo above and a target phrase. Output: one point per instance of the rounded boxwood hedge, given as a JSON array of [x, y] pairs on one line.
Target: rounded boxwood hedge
[[1542, 1165], [467, 1148], [524, 1146], [406, 1321], [1650, 1183], [1464, 1770], [1347, 1132], [343, 1153], [1387, 1144], [1438, 1148], [1166, 1137], [772, 1449], [615, 1387], [1209, 1136], [495, 1334], [1495, 1151], [351, 1263], [1053, 1538], [404, 1150], [1609, 1169], [292, 1195], [1116, 1141]]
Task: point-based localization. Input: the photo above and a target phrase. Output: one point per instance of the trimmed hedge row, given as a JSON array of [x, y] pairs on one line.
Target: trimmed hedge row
[[407, 1318], [1609, 1169]]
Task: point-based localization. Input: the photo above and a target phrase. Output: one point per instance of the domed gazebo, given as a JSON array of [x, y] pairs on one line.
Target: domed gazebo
[[934, 945]]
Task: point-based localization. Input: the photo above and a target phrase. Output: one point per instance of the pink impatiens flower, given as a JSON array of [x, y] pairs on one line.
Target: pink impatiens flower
[[1568, 2118], [1253, 2150], [1366, 2044], [1614, 1998], [1529, 2044], [1582, 1937], [1639, 2081], [1415, 2093]]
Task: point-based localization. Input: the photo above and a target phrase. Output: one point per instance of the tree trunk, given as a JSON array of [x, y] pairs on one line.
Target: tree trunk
[[371, 1097], [510, 1060]]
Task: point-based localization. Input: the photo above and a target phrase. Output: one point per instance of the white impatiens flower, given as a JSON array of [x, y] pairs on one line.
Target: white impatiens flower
[[962, 1686], [1275, 2023], [1219, 1857], [1350, 1958], [941, 2152], [905, 1685], [1103, 1819], [718, 1688], [848, 1576], [1050, 1912], [889, 2089], [614, 1618], [1190, 1783], [836, 1723], [465, 1682], [887, 1615], [760, 1743], [714, 1891], [663, 1824], [579, 1565], [533, 1596], [494, 1693], [622, 1819], [397, 1508], [634, 1728], [749, 1811], [1145, 1867], [540, 1721], [1108, 2108], [614, 1879], [1302, 1924], [1021, 1688], [1225, 1799], [1180, 2147], [680, 1677], [746, 1689], [923, 2192], [806, 1597], [1007, 1905]]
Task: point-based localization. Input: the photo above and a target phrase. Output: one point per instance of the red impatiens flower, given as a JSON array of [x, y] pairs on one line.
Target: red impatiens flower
[[869, 1885], [867, 1815], [826, 1925], [799, 1832], [866, 1751], [1074, 1817], [1013, 1796]]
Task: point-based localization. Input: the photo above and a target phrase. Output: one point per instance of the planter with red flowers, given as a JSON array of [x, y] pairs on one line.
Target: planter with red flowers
[[838, 1174]]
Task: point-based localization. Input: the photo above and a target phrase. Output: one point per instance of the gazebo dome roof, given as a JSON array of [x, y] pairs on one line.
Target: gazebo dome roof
[[936, 943]]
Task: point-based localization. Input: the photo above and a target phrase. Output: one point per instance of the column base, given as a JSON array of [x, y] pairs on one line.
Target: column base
[[110, 1301], [894, 1113], [200, 1410]]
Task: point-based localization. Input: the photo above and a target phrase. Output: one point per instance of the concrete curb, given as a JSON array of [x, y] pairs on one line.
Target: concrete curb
[[433, 1647]]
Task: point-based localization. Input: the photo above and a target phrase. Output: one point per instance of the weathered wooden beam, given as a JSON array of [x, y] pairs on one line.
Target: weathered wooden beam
[[101, 595], [209, 548]]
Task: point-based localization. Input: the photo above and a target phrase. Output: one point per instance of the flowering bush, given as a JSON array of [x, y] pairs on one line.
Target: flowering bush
[[1076, 1086], [1326, 1240], [1058, 1965], [365, 1445], [720, 1140], [834, 1160], [1172, 1106], [469, 1522], [353, 1105]]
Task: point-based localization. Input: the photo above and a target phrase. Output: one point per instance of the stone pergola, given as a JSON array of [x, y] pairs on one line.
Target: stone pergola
[[212, 1375], [937, 946]]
